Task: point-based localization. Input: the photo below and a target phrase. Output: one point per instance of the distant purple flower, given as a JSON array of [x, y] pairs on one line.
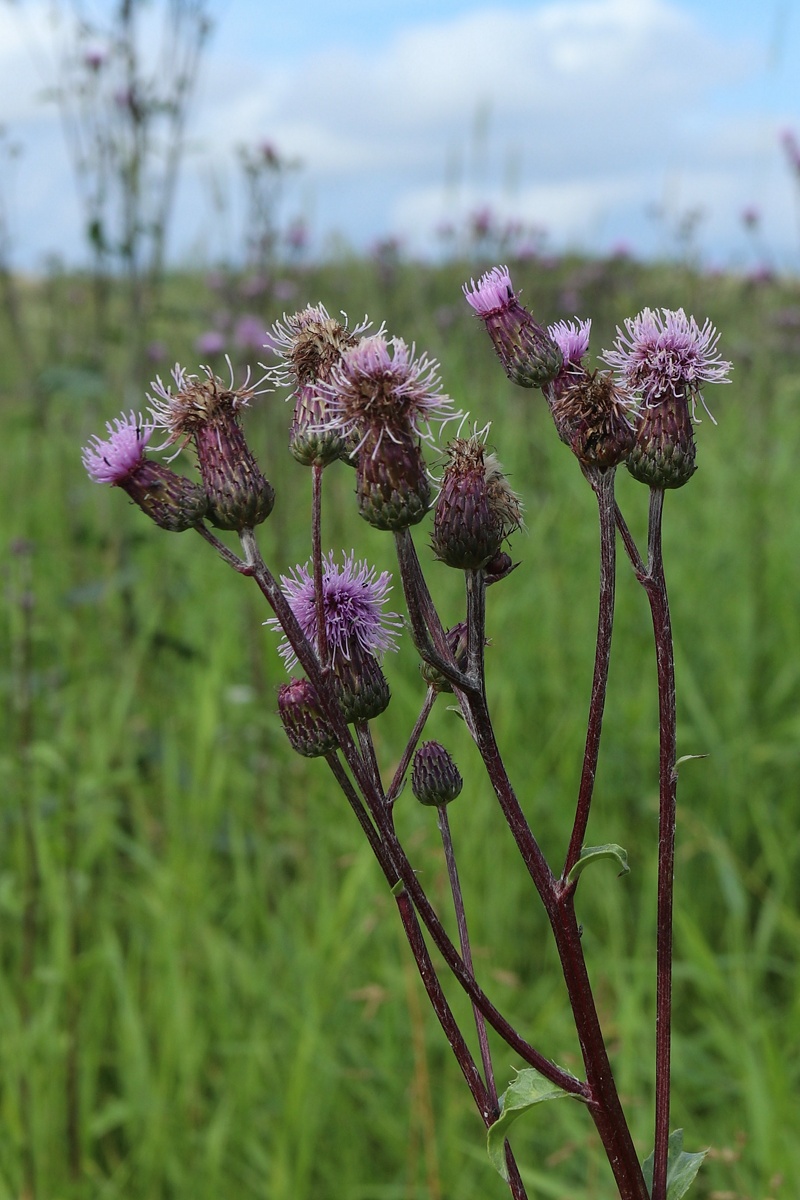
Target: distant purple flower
[[284, 290], [156, 351], [751, 216], [249, 332], [572, 339], [354, 596], [95, 57], [665, 354], [113, 459], [379, 384], [210, 342]]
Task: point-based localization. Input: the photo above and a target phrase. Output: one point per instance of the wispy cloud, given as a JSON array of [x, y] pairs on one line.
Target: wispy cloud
[[575, 114]]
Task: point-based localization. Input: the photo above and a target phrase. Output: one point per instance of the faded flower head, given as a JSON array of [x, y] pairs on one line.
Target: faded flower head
[[207, 411], [172, 501], [354, 596], [197, 401], [665, 353], [476, 509], [111, 459], [594, 417], [380, 386], [310, 343], [529, 355]]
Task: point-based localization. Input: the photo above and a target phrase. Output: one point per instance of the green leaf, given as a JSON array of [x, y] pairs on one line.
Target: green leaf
[[681, 1167], [530, 1087], [590, 854], [688, 758]]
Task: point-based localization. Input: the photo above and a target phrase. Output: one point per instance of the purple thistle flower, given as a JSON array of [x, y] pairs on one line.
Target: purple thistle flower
[[667, 354], [572, 339], [529, 355], [112, 459], [380, 385], [354, 595], [492, 293]]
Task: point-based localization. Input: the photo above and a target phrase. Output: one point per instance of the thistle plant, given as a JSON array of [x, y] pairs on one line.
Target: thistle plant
[[371, 402]]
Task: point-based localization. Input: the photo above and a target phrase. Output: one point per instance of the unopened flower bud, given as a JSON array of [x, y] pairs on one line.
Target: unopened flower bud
[[529, 355], [308, 730], [476, 509], [360, 685], [435, 778]]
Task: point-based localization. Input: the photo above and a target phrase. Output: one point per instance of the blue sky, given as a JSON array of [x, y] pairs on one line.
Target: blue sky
[[582, 118]]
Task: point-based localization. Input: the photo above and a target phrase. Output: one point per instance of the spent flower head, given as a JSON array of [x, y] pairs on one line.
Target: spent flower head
[[207, 411], [309, 343], [664, 353], [354, 595]]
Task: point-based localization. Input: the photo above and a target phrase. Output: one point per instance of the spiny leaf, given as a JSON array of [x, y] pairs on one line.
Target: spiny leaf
[[530, 1087]]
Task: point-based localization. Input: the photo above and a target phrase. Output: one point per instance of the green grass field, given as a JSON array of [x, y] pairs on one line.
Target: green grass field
[[205, 990]]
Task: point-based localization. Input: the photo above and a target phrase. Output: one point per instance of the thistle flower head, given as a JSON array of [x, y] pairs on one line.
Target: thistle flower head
[[171, 500], [493, 293], [572, 339], [353, 599], [112, 459], [529, 355], [379, 385], [435, 778], [310, 343], [476, 509], [197, 401], [665, 353]]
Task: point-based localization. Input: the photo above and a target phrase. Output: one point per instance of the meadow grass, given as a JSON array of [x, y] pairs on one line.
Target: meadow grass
[[205, 990]]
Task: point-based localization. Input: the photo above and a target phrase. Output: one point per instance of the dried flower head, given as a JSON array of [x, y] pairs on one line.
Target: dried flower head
[[529, 355], [207, 411], [476, 509], [171, 500], [593, 416], [353, 599], [310, 343]]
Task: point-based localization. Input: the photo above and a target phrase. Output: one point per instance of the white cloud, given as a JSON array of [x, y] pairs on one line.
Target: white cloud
[[588, 105]]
